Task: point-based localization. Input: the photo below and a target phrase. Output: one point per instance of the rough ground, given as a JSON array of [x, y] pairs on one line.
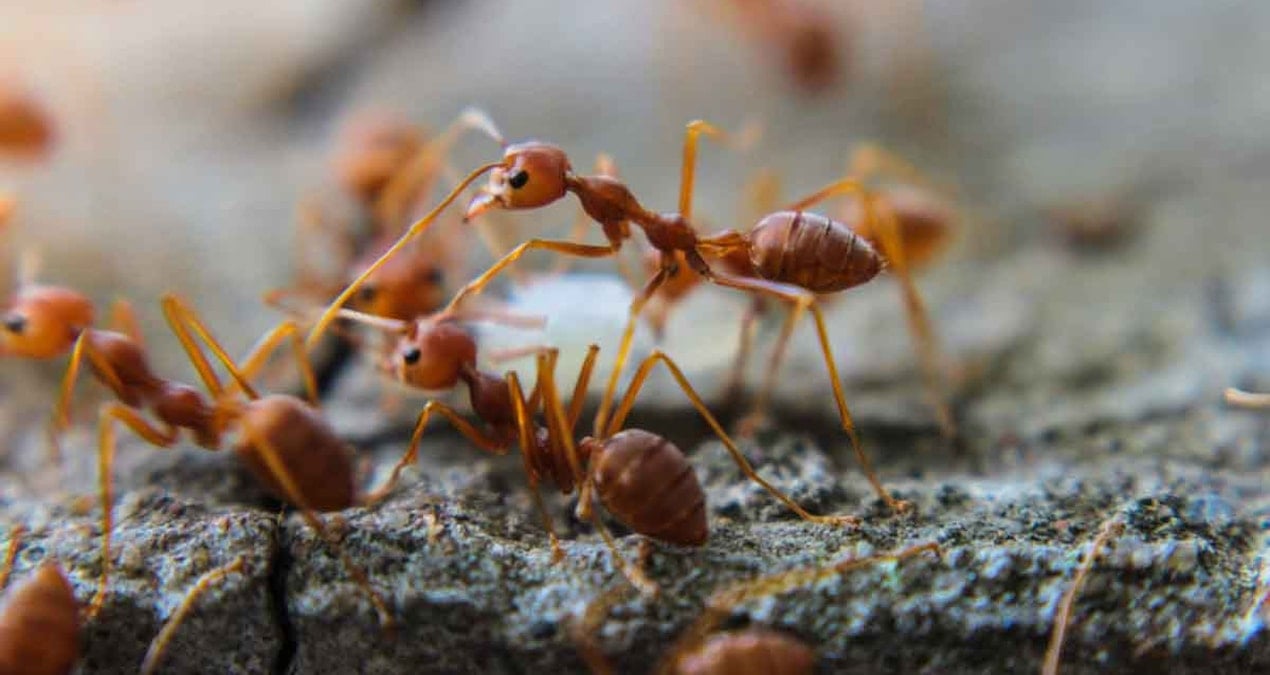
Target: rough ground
[[1088, 386]]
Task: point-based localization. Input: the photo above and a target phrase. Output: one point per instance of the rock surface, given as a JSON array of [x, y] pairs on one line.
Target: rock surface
[[1087, 386]]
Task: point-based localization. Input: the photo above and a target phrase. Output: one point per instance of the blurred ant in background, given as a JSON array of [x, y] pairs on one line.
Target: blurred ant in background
[[704, 650]]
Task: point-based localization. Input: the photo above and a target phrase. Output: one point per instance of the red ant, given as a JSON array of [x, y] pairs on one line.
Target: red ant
[[800, 34], [1249, 400], [40, 618], [792, 255], [284, 442], [701, 650], [623, 468], [26, 128]]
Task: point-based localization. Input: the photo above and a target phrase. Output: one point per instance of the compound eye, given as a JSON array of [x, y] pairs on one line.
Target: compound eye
[[518, 179], [411, 356], [435, 277], [367, 293], [14, 323]]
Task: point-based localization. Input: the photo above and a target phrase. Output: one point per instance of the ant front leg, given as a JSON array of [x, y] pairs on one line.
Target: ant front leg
[[162, 438], [628, 402], [479, 438], [804, 300], [477, 285], [1111, 528], [1244, 399], [154, 655]]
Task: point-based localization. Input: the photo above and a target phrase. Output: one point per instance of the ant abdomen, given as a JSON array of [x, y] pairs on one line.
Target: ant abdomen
[[813, 251], [39, 625], [314, 456], [648, 484], [749, 651]]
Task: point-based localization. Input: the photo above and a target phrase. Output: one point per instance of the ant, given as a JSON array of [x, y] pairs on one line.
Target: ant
[[623, 468], [1245, 399], [792, 255], [41, 619], [285, 442], [26, 128], [802, 35], [43, 321], [701, 650]]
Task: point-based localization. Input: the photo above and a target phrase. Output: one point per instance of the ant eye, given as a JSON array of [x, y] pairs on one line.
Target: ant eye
[[367, 293], [14, 323], [518, 180], [411, 356], [434, 277]]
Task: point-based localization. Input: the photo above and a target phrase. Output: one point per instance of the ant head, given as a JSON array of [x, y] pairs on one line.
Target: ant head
[[43, 322], [433, 355], [372, 147], [403, 288], [533, 174]]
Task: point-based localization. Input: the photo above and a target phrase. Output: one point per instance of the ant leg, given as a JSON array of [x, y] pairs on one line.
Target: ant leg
[[928, 351], [416, 179], [721, 604], [555, 414], [762, 194], [477, 285], [264, 348], [123, 318], [1244, 399], [628, 401], [160, 438], [1111, 528], [480, 439], [804, 300], [624, 348], [160, 644], [688, 171], [278, 469], [871, 159], [578, 398], [582, 630], [842, 186], [528, 449], [418, 228], [11, 555], [61, 412], [749, 323], [175, 314]]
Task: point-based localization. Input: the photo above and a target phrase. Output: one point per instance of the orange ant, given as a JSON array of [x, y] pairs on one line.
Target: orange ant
[[285, 443], [792, 255], [40, 618], [703, 651], [621, 467], [802, 35], [1245, 399], [26, 128]]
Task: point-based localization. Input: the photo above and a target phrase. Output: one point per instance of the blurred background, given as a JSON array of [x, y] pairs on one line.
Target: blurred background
[[187, 133]]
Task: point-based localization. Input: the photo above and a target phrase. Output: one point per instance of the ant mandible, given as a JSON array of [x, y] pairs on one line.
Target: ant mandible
[[285, 443], [787, 267], [41, 620], [701, 650]]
